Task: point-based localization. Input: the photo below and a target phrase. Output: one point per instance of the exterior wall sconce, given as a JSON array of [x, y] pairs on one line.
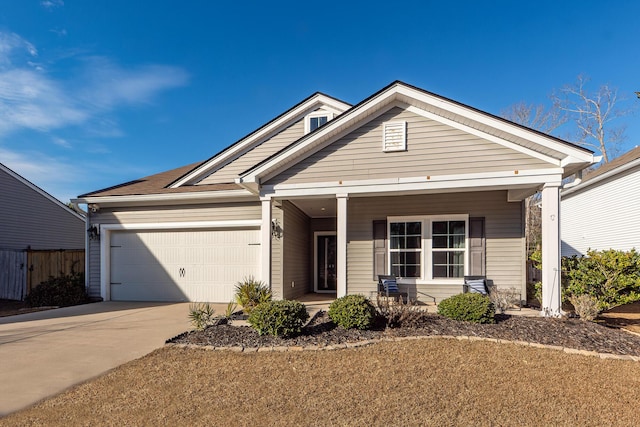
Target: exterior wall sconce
[[93, 232], [276, 229]]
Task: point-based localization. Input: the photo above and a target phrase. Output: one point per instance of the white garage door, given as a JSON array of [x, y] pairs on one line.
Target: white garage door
[[202, 265]]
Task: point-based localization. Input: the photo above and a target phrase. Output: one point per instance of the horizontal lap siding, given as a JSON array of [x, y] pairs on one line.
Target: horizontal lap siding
[[432, 149], [152, 214], [296, 256], [230, 172], [504, 237], [29, 219], [584, 225]]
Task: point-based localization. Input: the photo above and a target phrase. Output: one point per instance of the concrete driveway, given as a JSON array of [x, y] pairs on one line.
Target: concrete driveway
[[44, 353]]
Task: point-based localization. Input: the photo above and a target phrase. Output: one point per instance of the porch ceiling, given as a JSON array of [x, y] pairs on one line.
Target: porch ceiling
[[317, 208]]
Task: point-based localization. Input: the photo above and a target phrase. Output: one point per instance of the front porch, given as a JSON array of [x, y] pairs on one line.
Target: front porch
[[456, 234]]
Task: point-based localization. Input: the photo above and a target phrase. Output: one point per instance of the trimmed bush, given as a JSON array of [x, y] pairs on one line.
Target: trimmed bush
[[470, 307], [586, 306], [278, 318], [60, 291], [352, 311], [251, 292]]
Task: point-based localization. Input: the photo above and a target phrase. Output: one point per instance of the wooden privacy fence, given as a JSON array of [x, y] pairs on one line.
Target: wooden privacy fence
[[21, 271]]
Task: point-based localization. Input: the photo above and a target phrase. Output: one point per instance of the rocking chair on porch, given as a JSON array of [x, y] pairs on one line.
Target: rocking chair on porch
[[388, 287]]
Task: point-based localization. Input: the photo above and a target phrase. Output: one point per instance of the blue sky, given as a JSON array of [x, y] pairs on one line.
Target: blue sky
[[96, 93]]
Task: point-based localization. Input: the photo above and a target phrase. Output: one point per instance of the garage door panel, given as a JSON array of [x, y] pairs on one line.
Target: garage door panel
[[200, 265]]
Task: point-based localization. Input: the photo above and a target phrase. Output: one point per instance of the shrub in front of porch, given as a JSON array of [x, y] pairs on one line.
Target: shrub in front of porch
[[468, 307], [278, 318], [352, 311]]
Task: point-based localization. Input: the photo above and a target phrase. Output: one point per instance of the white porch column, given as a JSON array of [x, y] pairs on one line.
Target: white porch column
[[551, 266], [341, 242], [265, 242]]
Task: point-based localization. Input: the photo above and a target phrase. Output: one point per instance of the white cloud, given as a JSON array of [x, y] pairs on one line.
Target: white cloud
[[51, 4], [61, 142], [30, 98]]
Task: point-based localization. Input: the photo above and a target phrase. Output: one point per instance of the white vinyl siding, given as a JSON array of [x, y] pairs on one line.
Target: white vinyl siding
[[246, 160], [505, 251], [605, 215], [432, 149]]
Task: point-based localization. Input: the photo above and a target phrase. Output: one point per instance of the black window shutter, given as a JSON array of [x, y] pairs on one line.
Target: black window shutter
[[477, 247], [379, 248]]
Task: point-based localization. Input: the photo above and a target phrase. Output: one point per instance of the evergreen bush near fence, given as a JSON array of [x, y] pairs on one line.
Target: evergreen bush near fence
[[60, 291]]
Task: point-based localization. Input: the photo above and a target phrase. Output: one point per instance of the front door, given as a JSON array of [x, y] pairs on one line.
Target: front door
[[325, 262]]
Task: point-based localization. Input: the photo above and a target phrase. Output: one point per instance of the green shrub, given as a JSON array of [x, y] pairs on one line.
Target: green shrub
[[202, 315], [60, 291], [611, 277], [352, 311], [278, 318], [469, 307], [251, 292]]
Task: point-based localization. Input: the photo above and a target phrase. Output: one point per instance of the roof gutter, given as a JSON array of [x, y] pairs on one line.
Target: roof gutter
[[195, 197]]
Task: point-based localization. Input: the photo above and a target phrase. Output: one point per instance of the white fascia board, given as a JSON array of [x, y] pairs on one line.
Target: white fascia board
[[606, 175], [335, 126], [263, 134], [469, 182], [170, 198], [496, 123], [481, 134]]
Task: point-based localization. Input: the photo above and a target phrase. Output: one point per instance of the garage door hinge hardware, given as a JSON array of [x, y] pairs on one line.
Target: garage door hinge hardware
[[182, 272]]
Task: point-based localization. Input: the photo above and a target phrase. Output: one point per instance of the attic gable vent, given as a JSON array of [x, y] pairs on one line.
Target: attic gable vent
[[394, 136]]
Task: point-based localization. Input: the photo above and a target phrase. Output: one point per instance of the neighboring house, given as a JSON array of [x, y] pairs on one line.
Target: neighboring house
[[327, 196], [30, 218], [602, 211]]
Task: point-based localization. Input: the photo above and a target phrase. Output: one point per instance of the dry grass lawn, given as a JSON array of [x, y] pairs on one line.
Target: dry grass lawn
[[425, 382]]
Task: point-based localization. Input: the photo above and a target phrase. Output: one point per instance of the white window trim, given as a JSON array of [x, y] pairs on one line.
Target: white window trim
[[426, 271], [308, 117], [402, 145]]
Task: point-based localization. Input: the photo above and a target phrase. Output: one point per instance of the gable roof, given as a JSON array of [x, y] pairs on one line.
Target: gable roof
[[532, 142], [39, 190], [618, 165], [260, 135]]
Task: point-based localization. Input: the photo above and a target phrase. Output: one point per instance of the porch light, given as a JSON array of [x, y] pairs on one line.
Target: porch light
[[93, 232], [276, 229]]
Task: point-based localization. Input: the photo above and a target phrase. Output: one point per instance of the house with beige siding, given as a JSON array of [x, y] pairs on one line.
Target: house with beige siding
[[600, 211], [327, 196]]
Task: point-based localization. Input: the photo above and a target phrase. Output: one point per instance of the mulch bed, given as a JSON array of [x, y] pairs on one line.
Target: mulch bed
[[321, 331]]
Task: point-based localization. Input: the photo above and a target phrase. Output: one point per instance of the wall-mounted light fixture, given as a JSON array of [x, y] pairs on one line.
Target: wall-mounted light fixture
[[276, 229], [93, 232]]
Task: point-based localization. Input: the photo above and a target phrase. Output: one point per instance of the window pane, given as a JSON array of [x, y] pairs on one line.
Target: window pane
[[456, 271], [397, 228], [456, 241], [439, 258], [414, 242], [414, 228], [322, 120], [395, 258], [395, 271], [439, 271], [439, 241], [439, 227], [456, 227], [412, 271], [412, 258], [456, 258]]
